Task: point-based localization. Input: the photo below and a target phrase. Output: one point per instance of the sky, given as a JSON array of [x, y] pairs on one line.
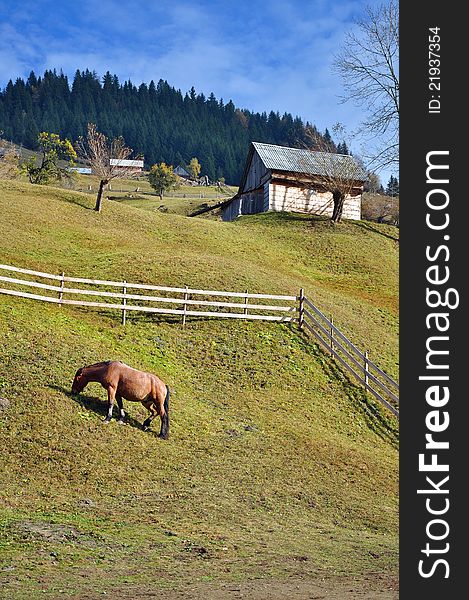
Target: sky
[[264, 55]]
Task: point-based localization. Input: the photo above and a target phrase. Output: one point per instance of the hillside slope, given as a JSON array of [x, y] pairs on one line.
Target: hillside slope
[[276, 465]]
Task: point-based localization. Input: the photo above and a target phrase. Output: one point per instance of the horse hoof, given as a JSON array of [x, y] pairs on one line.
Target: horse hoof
[[120, 422], [106, 421]]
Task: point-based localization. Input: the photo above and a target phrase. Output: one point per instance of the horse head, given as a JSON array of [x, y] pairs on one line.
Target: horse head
[[79, 381]]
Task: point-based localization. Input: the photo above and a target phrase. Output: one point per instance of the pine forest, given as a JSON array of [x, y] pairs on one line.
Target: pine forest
[[156, 120]]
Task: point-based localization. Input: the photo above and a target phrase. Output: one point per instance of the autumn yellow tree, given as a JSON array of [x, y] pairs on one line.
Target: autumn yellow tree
[[194, 168], [52, 150], [162, 178]]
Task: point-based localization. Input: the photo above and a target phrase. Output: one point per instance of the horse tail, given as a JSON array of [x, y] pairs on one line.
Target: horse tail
[[166, 401], [165, 422]]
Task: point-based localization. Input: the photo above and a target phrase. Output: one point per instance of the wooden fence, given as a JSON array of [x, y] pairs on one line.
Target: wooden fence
[[176, 301], [185, 302], [358, 363]]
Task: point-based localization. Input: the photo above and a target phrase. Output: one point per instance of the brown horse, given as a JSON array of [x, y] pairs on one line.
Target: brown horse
[[122, 381]]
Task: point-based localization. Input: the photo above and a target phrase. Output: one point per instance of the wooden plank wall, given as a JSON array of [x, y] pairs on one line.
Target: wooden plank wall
[[283, 197], [256, 175]]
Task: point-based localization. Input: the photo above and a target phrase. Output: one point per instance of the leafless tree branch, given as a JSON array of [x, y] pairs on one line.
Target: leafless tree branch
[[341, 175], [368, 66], [97, 151]]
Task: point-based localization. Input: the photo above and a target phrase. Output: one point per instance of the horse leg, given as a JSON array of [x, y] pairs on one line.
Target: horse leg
[[120, 404], [153, 412], [111, 396], [162, 404]]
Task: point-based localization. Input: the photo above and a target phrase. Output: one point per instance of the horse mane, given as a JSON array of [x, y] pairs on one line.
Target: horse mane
[[104, 363]]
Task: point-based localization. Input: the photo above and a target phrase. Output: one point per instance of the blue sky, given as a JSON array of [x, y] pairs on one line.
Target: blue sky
[[264, 55]]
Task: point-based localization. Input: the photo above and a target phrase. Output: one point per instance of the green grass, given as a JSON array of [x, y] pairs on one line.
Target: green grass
[[277, 464], [183, 200]]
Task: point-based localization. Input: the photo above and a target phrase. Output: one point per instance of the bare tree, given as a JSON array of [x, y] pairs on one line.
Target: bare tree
[[9, 160], [380, 208], [341, 175], [368, 66], [373, 183], [107, 159]]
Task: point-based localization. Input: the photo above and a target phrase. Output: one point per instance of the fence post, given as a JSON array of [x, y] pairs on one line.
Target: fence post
[[62, 285], [185, 309], [246, 303], [301, 309], [124, 303], [332, 336], [366, 370]]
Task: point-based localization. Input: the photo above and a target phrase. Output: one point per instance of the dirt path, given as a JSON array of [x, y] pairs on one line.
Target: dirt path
[[330, 589], [371, 587]]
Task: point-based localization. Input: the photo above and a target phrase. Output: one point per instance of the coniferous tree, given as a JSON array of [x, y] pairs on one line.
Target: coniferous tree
[[392, 189], [156, 120], [342, 148], [327, 136]]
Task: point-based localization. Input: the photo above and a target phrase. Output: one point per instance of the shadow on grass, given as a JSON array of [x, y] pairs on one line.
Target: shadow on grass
[[375, 416], [306, 217], [273, 218], [87, 202], [140, 318], [368, 227], [157, 318], [99, 407]]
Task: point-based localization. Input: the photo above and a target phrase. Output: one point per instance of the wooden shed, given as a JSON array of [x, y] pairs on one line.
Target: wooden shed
[[182, 172], [280, 178]]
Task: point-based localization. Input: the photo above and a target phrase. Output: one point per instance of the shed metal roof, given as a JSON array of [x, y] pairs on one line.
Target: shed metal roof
[[308, 162], [180, 170]]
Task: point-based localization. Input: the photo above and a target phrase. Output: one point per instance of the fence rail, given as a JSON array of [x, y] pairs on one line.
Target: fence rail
[[182, 300], [121, 300], [355, 361]]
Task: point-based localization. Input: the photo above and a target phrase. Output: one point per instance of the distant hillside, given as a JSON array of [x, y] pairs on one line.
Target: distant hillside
[[155, 119]]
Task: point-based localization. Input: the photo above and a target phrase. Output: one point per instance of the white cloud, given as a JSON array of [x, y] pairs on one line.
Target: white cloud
[[265, 56]]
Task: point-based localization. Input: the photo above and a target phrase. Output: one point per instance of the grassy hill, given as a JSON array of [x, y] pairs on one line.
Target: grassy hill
[[138, 193], [182, 200], [276, 466]]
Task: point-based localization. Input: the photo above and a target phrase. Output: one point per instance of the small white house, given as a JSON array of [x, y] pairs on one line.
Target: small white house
[[81, 170], [125, 163], [280, 178]]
